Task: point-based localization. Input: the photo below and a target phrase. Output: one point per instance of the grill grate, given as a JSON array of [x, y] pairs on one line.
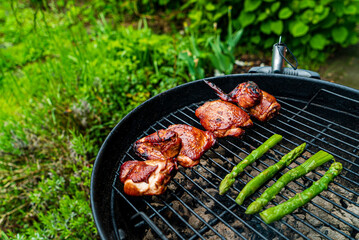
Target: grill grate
[[192, 208]]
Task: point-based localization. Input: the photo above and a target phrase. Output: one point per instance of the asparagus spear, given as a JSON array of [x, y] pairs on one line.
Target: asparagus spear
[[229, 179], [258, 181], [275, 213], [313, 162]]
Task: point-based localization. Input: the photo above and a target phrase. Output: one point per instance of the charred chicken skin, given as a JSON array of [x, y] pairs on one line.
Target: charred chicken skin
[[162, 144], [195, 143], [223, 118], [260, 104], [266, 109], [147, 177], [246, 94]]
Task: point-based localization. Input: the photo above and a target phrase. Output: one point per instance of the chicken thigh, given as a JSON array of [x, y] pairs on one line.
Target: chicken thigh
[[260, 104], [195, 143], [246, 94], [223, 118], [147, 177], [162, 144], [266, 109]]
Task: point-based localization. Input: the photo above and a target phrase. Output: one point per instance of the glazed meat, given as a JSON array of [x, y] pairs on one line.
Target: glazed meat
[[267, 108], [260, 104], [246, 94], [223, 118], [162, 144], [147, 177], [195, 143]]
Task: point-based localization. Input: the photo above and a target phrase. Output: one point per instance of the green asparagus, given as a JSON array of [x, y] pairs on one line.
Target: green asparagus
[[229, 179], [258, 181], [313, 162], [275, 213]]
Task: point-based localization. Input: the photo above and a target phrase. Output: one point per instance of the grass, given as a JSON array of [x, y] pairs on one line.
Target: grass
[[64, 84]]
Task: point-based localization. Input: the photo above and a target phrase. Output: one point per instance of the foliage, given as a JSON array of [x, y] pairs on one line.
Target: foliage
[[64, 85], [312, 29], [210, 52], [223, 56]]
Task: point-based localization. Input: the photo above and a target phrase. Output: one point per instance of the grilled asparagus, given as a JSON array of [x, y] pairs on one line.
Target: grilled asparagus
[[275, 213], [229, 179], [313, 162], [259, 180]]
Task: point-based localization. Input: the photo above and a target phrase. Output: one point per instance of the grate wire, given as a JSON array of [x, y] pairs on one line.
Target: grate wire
[[297, 123]]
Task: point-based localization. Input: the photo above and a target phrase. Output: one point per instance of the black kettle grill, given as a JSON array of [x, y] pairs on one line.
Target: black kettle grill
[[325, 115]]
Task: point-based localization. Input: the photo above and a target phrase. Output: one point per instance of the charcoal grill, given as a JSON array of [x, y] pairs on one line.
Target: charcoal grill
[[324, 115]]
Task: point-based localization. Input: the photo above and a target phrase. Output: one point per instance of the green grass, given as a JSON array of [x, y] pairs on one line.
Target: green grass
[[63, 86]]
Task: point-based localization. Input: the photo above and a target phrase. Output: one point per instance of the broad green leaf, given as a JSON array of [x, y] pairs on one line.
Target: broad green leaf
[[275, 7], [319, 17], [338, 8], [269, 42], [319, 9], [285, 13], [219, 13], [313, 54], [353, 39], [262, 16], [210, 7], [163, 2], [256, 39], [251, 5], [307, 16], [325, 2], [329, 21], [350, 10], [299, 29], [246, 18], [339, 34], [318, 41], [236, 37], [305, 39], [195, 15], [265, 27], [276, 27], [307, 4]]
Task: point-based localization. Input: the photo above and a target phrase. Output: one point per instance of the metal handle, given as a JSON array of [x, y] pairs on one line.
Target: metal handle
[[278, 55], [278, 58], [286, 71]]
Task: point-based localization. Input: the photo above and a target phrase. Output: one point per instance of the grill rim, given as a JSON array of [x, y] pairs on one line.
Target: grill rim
[[99, 184]]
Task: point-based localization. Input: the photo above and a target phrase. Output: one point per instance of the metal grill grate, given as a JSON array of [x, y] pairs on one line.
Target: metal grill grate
[[192, 208]]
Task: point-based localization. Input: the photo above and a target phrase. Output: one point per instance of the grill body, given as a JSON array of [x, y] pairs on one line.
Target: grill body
[[323, 114]]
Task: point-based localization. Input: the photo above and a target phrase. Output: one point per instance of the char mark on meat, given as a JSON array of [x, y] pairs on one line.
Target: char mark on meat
[[162, 144]]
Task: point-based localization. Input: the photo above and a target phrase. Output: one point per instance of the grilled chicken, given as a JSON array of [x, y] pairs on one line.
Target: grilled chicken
[[266, 109], [246, 94], [147, 177], [162, 144], [260, 104], [223, 118], [195, 143]]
